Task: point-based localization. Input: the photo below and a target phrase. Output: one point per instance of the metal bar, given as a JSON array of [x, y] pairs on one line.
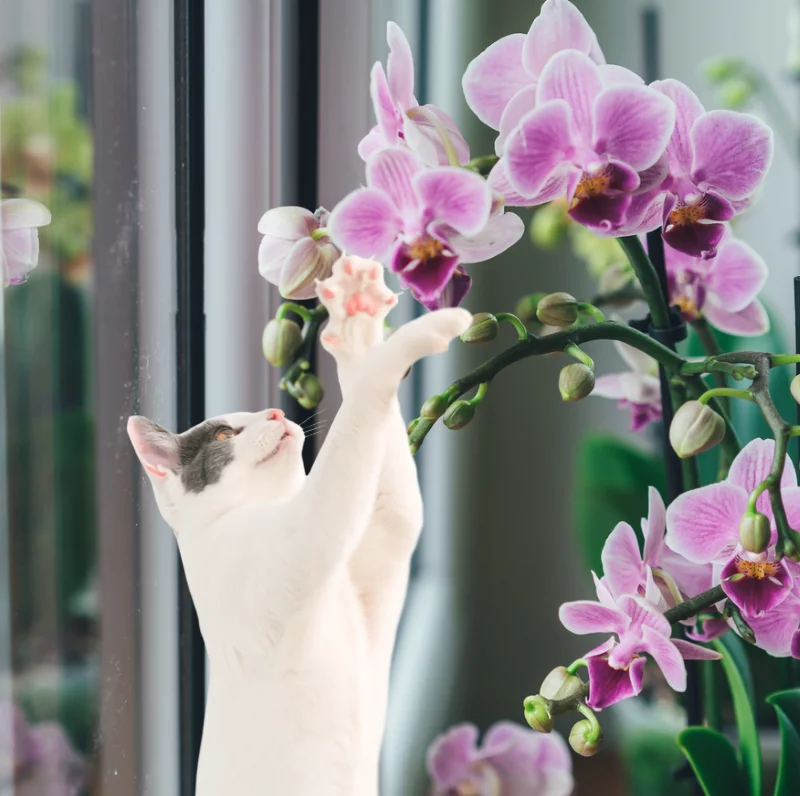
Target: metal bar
[[305, 32], [190, 336]]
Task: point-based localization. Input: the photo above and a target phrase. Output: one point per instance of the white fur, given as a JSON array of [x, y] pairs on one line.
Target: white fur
[[299, 581]]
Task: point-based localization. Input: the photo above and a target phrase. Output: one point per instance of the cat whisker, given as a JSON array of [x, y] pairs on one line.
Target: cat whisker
[[316, 414]]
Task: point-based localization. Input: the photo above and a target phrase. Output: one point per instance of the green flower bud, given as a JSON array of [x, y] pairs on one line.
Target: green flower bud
[[585, 738], [458, 415], [537, 713], [560, 684], [695, 428], [527, 306], [557, 309], [484, 328], [717, 70], [575, 382], [280, 341], [434, 407], [306, 389], [795, 388], [413, 424], [754, 532], [736, 93]]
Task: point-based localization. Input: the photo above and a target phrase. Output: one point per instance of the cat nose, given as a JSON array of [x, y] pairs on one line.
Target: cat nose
[[275, 414]]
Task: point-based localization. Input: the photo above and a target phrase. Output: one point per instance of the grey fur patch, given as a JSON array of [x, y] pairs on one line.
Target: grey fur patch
[[202, 458]]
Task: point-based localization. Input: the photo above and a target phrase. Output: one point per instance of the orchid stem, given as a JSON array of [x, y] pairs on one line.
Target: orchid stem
[[519, 326], [648, 279], [483, 165], [726, 392]]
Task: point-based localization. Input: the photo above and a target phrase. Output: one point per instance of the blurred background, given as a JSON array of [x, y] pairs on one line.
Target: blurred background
[[90, 617]]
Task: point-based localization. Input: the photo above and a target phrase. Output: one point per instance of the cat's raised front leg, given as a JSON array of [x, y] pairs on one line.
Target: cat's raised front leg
[[356, 295]]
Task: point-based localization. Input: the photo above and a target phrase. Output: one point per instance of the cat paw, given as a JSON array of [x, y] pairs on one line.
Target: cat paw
[[357, 301]]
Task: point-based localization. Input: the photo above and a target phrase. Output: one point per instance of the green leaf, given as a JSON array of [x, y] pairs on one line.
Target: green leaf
[[787, 706], [737, 670], [713, 760], [610, 487]]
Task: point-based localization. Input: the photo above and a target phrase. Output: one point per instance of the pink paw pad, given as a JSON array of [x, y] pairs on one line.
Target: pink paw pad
[[331, 339]]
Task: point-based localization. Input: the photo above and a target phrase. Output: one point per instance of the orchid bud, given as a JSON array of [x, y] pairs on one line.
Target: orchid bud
[[560, 684], [754, 532], [575, 382], [719, 69], [295, 251], [736, 93], [280, 341], [558, 309], [695, 428], [306, 389], [527, 306], [795, 388], [537, 713], [585, 738], [434, 407], [458, 415], [483, 329], [412, 425]]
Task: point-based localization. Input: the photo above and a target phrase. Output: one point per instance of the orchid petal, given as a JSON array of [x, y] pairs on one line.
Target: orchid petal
[[752, 321], [703, 524], [366, 222], [371, 142], [667, 658], [600, 212], [554, 188], [538, 146], [453, 293], [636, 360], [694, 652], [520, 105], [610, 386], [586, 616], [427, 280], [643, 215], [615, 75], [774, 630], [19, 254], [753, 464], [755, 596], [622, 561], [400, 67], [383, 105], [713, 627], [308, 262], [455, 196], [494, 77], [688, 111], [425, 139], [604, 596], [643, 614], [632, 124], [653, 527], [392, 171], [502, 232], [451, 754], [559, 26], [737, 275], [23, 214], [607, 685], [573, 77], [732, 153], [699, 240]]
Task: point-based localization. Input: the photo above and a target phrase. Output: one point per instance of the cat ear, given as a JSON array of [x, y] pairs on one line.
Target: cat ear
[[156, 447]]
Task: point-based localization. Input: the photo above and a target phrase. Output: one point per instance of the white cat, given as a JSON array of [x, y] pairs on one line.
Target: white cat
[[299, 581]]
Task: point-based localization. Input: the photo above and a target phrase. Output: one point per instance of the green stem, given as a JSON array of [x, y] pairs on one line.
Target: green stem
[[648, 279], [518, 325], [696, 387], [288, 306], [480, 394], [590, 309], [483, 164], [577, 664], [776, 360], [577, 353], [726, 392]]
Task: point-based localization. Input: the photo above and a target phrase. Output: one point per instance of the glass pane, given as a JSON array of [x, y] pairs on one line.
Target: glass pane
[[88, 576]]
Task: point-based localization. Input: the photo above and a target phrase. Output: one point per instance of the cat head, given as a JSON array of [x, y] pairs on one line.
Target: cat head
[[219, 464]]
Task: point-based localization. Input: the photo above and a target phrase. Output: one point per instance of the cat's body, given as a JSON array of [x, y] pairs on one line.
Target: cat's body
[[299, 581]]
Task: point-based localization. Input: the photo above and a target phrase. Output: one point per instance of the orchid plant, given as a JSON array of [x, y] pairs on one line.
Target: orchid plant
[[625, 160]]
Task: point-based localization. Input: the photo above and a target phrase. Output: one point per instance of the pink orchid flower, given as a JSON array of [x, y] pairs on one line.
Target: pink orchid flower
[[503, 77], [296, 250], [627, 570], [638, 389], [598, 144], [778, 631], [427, 130], [19, 237], [616, 667], [717, 161], [723, 289], [703, 526], [424, 222], [513, 761]]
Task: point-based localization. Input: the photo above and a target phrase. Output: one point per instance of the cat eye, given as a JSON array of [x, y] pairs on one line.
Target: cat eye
[[223, 434]]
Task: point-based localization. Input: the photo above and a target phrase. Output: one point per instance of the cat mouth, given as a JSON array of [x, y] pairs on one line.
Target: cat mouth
[[277, 449]]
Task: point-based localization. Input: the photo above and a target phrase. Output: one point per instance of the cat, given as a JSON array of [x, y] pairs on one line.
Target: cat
[[299, 580]]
